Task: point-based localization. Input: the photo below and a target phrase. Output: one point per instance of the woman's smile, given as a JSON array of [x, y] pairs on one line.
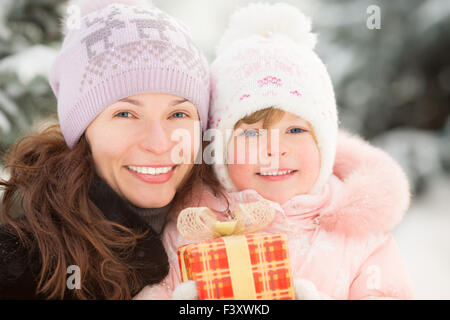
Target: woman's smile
[[152, 174]]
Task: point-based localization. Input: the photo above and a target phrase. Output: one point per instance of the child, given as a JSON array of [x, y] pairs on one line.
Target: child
[[339, 196]]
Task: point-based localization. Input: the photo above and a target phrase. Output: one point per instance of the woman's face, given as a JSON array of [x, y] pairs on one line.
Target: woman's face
[[133, 148], [296, 154]]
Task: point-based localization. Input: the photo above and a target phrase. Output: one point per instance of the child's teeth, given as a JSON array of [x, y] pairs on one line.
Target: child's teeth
[[275, 173], [150, 170]]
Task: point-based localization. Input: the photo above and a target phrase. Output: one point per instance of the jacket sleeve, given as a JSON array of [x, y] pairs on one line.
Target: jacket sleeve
[[383, 275], [16, 278]]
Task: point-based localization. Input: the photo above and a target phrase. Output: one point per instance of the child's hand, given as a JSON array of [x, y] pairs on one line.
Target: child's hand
[[305, 290], [153, 292], [185, 291]]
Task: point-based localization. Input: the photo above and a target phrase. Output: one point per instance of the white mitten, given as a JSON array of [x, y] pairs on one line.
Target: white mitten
[[250, 195], [185, 291], [305, 290]]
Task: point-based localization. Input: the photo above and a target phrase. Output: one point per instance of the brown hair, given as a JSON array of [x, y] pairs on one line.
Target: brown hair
[[49, 183], [269, 116]]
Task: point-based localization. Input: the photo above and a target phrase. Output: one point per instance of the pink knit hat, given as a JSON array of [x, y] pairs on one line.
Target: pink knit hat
[[266, 58], [121, 48]]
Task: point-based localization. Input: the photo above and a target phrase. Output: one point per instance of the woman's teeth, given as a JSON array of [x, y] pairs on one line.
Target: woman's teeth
[[276, 173], [150, 170]]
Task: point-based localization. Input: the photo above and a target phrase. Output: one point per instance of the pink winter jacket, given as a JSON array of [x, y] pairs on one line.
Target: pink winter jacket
[[339, 239]]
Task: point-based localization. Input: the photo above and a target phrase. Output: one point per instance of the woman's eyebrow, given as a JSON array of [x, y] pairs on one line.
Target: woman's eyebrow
[[132, 101], [177, 102], [139, 103]]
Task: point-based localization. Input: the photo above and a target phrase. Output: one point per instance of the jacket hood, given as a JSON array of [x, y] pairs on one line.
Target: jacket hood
[[375, 193]]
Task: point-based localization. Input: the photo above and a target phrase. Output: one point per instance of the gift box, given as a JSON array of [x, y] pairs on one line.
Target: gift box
[[249, 266]]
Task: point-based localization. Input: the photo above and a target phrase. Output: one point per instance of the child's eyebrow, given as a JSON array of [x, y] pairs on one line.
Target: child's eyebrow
[[300, 124]]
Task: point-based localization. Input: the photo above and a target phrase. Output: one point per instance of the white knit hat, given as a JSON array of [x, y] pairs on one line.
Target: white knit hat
[[266, 59]]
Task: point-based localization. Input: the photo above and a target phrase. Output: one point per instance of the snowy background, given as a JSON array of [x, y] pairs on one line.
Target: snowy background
[[392, 87]]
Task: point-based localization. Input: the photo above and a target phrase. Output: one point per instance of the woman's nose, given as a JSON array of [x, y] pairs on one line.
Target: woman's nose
[[155, 138]]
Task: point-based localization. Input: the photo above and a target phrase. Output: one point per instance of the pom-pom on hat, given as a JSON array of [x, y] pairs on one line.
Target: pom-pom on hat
[[266, 59], [120, 48]]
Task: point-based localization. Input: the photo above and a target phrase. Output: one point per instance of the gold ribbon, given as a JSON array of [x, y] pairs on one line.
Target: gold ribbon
[[183, 269], [200, 223], [240, 268], [239, 263]]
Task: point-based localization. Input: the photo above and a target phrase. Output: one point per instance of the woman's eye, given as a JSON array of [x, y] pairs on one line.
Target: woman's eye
[[296, 130], [179, 115], [124, 114], [251, 133]]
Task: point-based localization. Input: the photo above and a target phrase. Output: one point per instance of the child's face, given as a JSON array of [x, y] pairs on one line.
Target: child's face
[[297, 155]]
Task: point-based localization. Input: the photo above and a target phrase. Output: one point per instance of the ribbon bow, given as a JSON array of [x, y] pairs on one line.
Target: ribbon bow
[[200, 223]]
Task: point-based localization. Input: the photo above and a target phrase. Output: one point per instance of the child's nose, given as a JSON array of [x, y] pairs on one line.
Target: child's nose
[[277, 149], [282, 153]]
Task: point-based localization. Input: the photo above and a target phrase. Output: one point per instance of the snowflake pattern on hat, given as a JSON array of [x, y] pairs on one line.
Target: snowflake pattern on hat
[[121, 50]]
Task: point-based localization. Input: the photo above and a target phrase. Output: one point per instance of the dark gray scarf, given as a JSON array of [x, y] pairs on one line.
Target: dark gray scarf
[[122, 211], [155, 217]]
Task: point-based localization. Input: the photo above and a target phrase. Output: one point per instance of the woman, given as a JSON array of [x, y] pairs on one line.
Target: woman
[[91, 193]]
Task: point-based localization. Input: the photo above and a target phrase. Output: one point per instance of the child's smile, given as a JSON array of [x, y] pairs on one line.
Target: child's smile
[[277, 175]]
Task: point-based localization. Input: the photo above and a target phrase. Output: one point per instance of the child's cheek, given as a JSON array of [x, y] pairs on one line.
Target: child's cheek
[[242, 152], [240, 175], [245, 161], [309, 160], [239, 166]]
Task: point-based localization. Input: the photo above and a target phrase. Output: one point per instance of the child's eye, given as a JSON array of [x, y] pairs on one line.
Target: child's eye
[[296, 130], [251, 133], [179, 115], [124, 114]]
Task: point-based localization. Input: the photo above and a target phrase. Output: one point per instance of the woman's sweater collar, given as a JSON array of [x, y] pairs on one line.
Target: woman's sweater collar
[[119, 210]]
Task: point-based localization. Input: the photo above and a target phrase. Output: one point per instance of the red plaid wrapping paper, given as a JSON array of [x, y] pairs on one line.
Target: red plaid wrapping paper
[[207, 263]]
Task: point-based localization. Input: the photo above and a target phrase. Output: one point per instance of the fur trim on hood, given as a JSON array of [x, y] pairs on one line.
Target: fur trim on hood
[[376, 190]]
